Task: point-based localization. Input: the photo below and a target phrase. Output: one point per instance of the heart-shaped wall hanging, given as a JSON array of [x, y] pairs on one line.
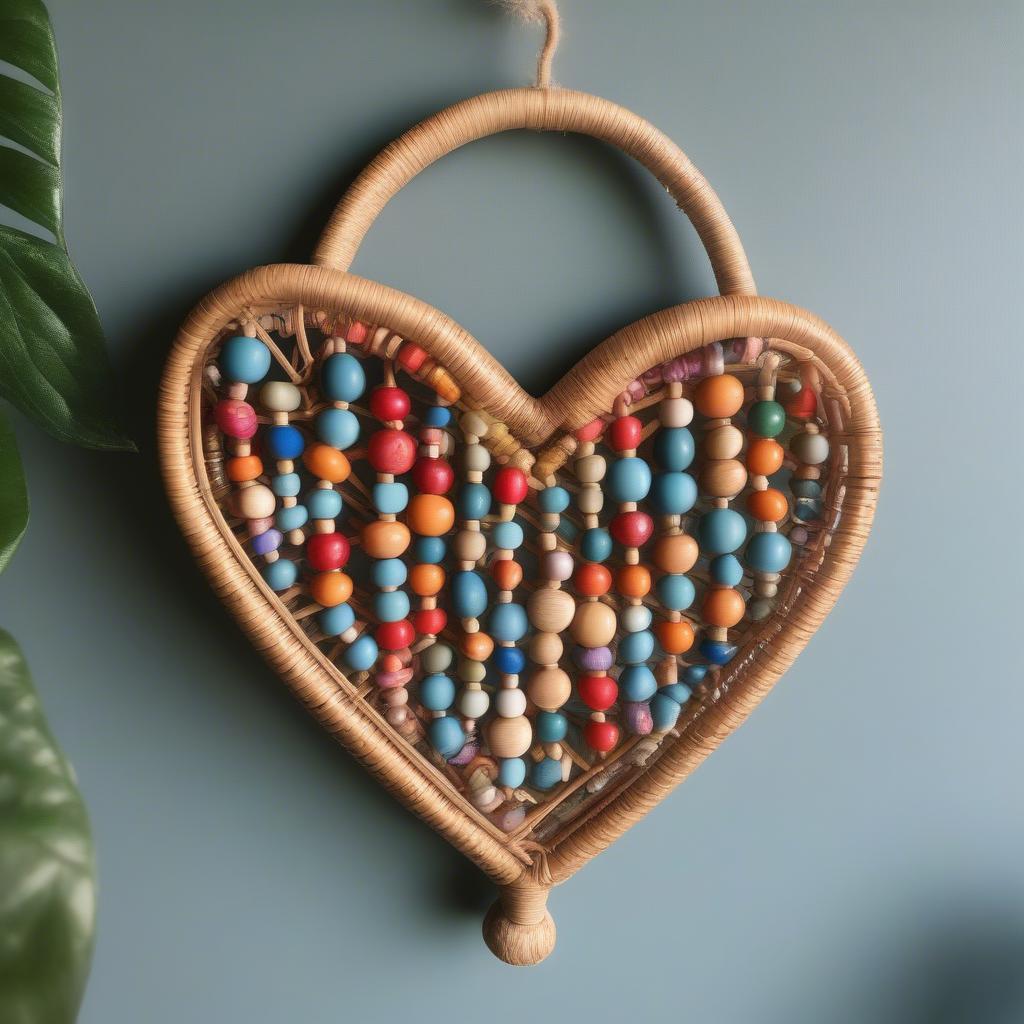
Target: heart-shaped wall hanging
[[532, 657]]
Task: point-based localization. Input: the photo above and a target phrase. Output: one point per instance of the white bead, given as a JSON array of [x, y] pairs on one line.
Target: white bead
[[590, 469], [476, 458], [590, 500], [675, 412], [474, 703], [474, 424], [510, 703], [635, 618], [811, 449], [280, 396]]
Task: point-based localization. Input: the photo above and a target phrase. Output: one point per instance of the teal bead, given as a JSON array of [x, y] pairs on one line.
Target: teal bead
[[664, 712], [596, 544], [342, 378], [389, 572], [287, 485], [807, 510], [551, 727], [694, 675], [673, 448], [768, 552], [508, 622], [679, 692], [508, 536], [720, 531], [469, 594], [429, 550], [512, 772], [391, 605], [636, 648], [637, 684], [361, 653], [323, 503], [446, 736], [246, 360], [334, 621], [675, 591], [292, 518], [474, 501], [567, 531], [628, 479], [726, 570], [766, 419], [674, 494], [546, 773], [805, 488], [338, 427], [280, 575], [437, 692], [553, 499], [390, 498]]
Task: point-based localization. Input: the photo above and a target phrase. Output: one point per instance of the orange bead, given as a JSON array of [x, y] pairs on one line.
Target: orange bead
[[764, 456], [385, 540], [507, 573], [719, 397], [675, 553], [592, 580], [426, 579], [674, 637], [327, 463], [244, 467], [477, 646], [769, 505], [330, 588], [723, 607], [431, 515], [633, 581]]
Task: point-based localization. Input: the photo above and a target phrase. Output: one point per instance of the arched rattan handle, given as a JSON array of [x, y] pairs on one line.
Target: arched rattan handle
[[560, 110]]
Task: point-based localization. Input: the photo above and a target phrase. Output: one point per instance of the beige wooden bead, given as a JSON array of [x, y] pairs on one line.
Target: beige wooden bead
[[476, 457], [551, 610], [473, 423], [593, 625], [546, 648], [809, 448], [280, 396], [590, 469], [510, 703], [469, 545], [675, 412], [255, 502], [509, 737], [590, 500], [724, 442], [723, 479], [549, 688]]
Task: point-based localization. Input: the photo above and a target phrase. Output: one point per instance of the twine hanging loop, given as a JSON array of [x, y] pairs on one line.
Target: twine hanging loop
[[545, 11]]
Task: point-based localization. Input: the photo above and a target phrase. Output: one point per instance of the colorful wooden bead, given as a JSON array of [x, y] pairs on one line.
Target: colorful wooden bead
[[327, 463], [342, 378], [719, 397], [243, 359], [236, 418]]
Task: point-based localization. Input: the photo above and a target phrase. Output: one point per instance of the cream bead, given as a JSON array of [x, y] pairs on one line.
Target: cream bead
[[549, 688], [724, 442], [280, 396], [469, 545], [723, 479], [255, 502], [510, 703], [509, 737], [590, 469], [474, 703], [590, 501], [546, 648], [472, 671], [473, 423], [808, 448], [549, 610], [593, 625], [476, 458], [675, 412]]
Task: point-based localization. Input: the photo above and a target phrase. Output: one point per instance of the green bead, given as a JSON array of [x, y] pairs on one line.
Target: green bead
[[766, 419]]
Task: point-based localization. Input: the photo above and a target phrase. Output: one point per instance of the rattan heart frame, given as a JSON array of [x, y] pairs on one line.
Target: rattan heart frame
[[519, 928]]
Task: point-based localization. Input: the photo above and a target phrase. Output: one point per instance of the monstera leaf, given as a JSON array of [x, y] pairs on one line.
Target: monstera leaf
[[53, 361], [13, 496], [46, 863]]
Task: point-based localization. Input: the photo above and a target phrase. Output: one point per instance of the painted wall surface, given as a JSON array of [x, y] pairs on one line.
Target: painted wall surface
[[855, 852]]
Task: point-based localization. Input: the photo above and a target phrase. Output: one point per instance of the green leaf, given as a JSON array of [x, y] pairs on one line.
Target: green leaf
[[13, 494], [53, 360], [47, 872]]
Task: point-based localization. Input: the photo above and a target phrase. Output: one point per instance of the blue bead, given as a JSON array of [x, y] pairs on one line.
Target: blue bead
[[596, 544], [637, 683], [508, 536], [469, 594], [694, 675], [428, 549], [807, 510], [554, 499], [280, 575], [805, 488], [342, 378], [437, 692], [636, 648], [287, 485], [673, 448], [361, 653], [768, 552], [727, 570], [246, 360], [284, 441], [446, 736], [508, 622], [720, 531], [323, 503], [474, 501], [629, 479], [664, 712], [679, 692], [334, 621], [437, 416], [391, 605], [389, 572], [337, 427], [546, 773], [509, 661], [673, 494], [390, 498], [551, 726], [293, 518], [567, 531], [512, 772], [718, 652], [675, 591]]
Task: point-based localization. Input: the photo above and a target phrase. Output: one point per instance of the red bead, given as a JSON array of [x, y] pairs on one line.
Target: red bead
[[803, 404], [327, 551], [624, 433], [591, 431], [357, 333], [391, 451], [411, 356], [433, 476], [236, 418], [592, 579], [430, 621], [510, 485], [632, 529], [393, 636], [389, 403], [599, 693], [601, 736]]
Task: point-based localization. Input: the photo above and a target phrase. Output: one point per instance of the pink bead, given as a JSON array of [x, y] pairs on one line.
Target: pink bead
[[236, 418], [391, 680], [557, 565], [258, 526], [590, 432]]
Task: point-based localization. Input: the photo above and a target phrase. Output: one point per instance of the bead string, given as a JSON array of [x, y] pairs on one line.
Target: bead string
[[809, 448]]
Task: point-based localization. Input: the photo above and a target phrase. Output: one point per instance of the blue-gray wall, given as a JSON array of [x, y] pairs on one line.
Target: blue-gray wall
[[856, 852]]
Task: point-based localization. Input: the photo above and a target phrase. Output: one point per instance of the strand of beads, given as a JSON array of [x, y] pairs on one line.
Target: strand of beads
[[244, 361], [768, 551], [629, 483], [721, 530], [809, 448], [593, 625], [673, 494]]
